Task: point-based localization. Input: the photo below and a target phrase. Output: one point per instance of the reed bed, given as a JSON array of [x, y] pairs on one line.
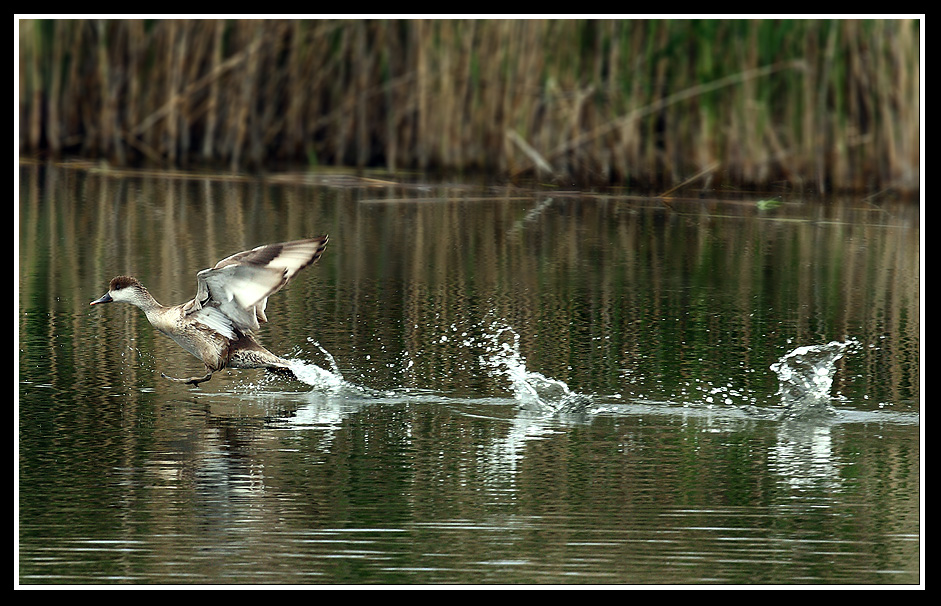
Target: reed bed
[[818, 105]]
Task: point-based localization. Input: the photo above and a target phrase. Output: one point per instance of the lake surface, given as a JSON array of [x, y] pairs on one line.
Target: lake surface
[[499, 386]]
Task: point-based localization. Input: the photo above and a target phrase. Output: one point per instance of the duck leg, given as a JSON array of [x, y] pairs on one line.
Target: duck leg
[[194, 381]]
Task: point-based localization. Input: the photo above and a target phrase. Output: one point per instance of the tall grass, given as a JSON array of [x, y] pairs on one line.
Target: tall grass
[[817, 104]]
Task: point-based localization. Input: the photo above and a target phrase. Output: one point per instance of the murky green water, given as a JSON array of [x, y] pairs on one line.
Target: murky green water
[[439, 334]]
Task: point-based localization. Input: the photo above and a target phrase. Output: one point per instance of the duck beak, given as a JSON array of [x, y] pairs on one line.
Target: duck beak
[[106, 298]]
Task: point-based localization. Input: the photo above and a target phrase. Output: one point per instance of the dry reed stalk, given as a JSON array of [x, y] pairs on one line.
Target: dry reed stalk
[[832, 103]]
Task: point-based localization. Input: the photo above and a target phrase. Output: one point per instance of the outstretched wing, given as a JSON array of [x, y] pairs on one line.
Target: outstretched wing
[[239, 286]]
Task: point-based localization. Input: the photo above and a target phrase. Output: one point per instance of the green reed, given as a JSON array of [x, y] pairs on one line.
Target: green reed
[[820, 105]]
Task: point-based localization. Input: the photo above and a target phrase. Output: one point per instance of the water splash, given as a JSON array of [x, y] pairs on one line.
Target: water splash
[[502, 358], [316, 376], [805, 376]]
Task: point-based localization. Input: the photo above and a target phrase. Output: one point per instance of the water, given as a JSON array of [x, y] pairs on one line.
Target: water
[[806, 375], [495, 386]]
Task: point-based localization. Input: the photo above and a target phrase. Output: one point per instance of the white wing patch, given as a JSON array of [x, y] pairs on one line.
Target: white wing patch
[[217, 321], [238, 287]]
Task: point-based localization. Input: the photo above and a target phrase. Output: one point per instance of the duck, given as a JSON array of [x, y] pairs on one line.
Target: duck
[[218, 324]]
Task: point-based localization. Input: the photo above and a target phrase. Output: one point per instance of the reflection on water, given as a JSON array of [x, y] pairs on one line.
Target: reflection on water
[[496, 387], [804, 457]]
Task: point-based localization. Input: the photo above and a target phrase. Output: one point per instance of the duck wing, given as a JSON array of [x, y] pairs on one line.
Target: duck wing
[[239, 285]]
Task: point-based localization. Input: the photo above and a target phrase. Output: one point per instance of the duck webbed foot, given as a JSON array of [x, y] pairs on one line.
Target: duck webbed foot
[[194, 381]]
